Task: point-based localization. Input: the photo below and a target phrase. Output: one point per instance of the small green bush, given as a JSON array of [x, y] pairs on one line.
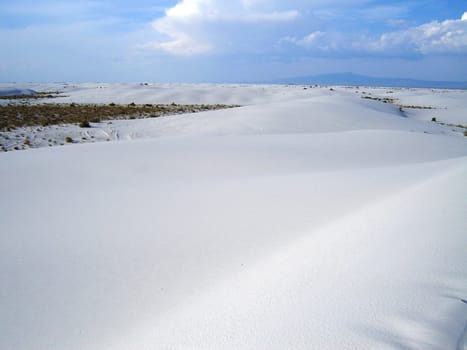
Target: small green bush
[[68, 139]]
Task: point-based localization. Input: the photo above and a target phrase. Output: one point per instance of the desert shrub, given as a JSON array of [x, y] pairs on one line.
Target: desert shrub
[[68, 139], [84, 124], [433, 119]]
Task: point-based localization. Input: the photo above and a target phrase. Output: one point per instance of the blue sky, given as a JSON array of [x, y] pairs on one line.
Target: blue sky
[[230, 40]]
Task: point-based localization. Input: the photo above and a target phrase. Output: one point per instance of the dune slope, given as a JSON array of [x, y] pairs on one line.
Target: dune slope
[[324, 222]]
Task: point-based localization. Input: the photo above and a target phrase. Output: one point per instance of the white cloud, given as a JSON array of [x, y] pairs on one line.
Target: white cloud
[[190, 24], [275, 16], [181, 42], [307, 40], [464, 17], [312, 37], [435, 37], [447, 37], [188, 8]]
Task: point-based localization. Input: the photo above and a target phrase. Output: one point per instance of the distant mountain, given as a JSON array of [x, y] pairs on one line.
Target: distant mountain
[[356, 80]]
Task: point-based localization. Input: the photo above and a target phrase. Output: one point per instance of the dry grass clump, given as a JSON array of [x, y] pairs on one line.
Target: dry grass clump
[[19, 115]]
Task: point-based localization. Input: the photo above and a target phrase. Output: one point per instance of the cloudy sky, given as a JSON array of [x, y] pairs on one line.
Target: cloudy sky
[[230, 40]]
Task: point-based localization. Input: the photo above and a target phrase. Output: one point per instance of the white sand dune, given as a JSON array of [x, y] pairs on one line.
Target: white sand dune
[[124, 93], [9, 91], [309, 219], [290, 109]]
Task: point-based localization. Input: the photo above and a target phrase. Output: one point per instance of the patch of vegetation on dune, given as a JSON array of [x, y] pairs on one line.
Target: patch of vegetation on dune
[[393, 101], [19, 115], [379, 99], [459, 126], [416, 107]]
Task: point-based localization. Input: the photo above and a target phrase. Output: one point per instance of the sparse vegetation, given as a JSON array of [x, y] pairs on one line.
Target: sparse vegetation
[[455, 125], [380, 99], [460, 126], [393, 101], [20, 115], [68, 139], [417, 107]]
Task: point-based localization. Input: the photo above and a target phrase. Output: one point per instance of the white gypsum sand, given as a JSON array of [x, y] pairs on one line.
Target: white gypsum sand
[[305, 219], [445, 106]]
